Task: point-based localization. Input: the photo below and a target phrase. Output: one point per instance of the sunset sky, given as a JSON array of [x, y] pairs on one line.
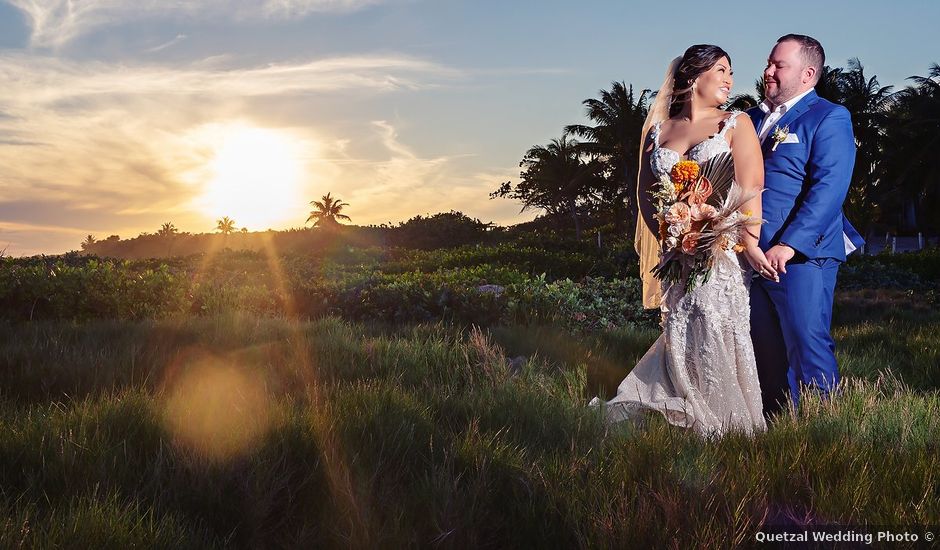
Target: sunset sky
[[117, 116]]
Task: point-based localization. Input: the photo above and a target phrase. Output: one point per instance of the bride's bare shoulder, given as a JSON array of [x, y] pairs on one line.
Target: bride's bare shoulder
[[742, 124], [740, 118]]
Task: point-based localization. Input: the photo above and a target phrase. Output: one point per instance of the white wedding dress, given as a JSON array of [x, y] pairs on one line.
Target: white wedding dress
[[700, 373]]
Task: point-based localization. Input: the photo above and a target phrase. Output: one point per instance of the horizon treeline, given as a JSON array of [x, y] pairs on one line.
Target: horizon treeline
[[443, 230]]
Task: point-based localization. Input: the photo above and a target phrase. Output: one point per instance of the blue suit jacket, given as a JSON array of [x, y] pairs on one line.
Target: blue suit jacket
[[805, 183]]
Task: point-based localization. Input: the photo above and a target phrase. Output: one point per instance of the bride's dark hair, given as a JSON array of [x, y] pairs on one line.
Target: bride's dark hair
[[695, 61]]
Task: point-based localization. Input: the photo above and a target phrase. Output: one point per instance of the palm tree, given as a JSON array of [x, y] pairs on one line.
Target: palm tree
[[868, 103], [907, 166], [327, 212], [557, 179], [829, 84], [619, 115], [88, 242], [167, 230], [226, 225]]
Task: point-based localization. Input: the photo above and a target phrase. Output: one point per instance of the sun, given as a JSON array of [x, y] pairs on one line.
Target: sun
[[254, 177]]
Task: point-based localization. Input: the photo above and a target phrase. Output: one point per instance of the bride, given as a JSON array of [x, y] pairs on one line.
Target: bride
[[700, 373]]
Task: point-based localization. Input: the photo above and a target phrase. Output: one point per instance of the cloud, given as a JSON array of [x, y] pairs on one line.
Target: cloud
[[48, 79], [112, 141], [176, 40], [403, 184], [54, 23]]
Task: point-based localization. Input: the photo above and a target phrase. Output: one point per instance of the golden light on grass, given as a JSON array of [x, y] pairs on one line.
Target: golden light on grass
[[255, 175], [217, 410], [197, 426]]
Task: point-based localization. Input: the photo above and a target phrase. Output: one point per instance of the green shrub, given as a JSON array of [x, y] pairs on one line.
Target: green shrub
[[443, 230], [594, 303], [92, 290], [584, 289]]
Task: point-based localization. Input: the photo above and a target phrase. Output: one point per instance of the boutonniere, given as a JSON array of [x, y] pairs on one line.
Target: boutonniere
[[779, 135]]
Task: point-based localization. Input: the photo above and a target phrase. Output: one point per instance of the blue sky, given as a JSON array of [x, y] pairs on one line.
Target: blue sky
[[117, 116]]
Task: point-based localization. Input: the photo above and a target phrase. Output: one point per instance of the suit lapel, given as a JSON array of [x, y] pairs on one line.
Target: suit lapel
[[794, 113]]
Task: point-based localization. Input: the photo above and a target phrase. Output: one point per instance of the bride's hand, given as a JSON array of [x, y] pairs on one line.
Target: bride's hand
[[755, 257]]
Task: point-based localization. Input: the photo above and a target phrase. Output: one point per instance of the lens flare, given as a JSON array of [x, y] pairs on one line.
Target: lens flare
[[217, 410]]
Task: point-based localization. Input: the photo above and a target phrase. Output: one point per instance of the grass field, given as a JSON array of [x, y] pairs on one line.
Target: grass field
[[250, 431]]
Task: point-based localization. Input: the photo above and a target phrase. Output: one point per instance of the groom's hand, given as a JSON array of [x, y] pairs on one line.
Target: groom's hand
[[779, 255]]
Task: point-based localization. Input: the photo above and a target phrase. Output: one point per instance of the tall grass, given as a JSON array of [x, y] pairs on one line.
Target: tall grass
[[427, 435]]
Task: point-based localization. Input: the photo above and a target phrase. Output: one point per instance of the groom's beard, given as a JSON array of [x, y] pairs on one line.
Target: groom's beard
[[781, 93]]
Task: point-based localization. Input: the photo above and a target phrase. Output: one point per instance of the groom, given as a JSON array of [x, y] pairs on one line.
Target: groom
[[809, 154]]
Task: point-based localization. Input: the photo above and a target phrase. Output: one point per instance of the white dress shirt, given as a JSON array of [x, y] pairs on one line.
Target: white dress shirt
[[771, 117]]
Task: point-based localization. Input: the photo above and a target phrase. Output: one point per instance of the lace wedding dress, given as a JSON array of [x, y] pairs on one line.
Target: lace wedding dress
[[700, 373]]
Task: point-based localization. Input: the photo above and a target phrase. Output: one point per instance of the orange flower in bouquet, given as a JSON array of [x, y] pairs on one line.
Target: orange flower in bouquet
[[685, 171]]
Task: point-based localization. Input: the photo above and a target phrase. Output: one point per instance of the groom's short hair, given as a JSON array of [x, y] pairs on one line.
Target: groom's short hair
[[811, 51]]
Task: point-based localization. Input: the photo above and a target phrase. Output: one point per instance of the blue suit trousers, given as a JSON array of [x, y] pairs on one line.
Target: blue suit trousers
[[790, 327]]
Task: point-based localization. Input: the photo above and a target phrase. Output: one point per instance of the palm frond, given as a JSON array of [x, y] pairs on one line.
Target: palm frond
[[720, 172]]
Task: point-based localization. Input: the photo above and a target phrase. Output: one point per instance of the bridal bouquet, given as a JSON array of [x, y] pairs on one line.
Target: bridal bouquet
[[699, 219]]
